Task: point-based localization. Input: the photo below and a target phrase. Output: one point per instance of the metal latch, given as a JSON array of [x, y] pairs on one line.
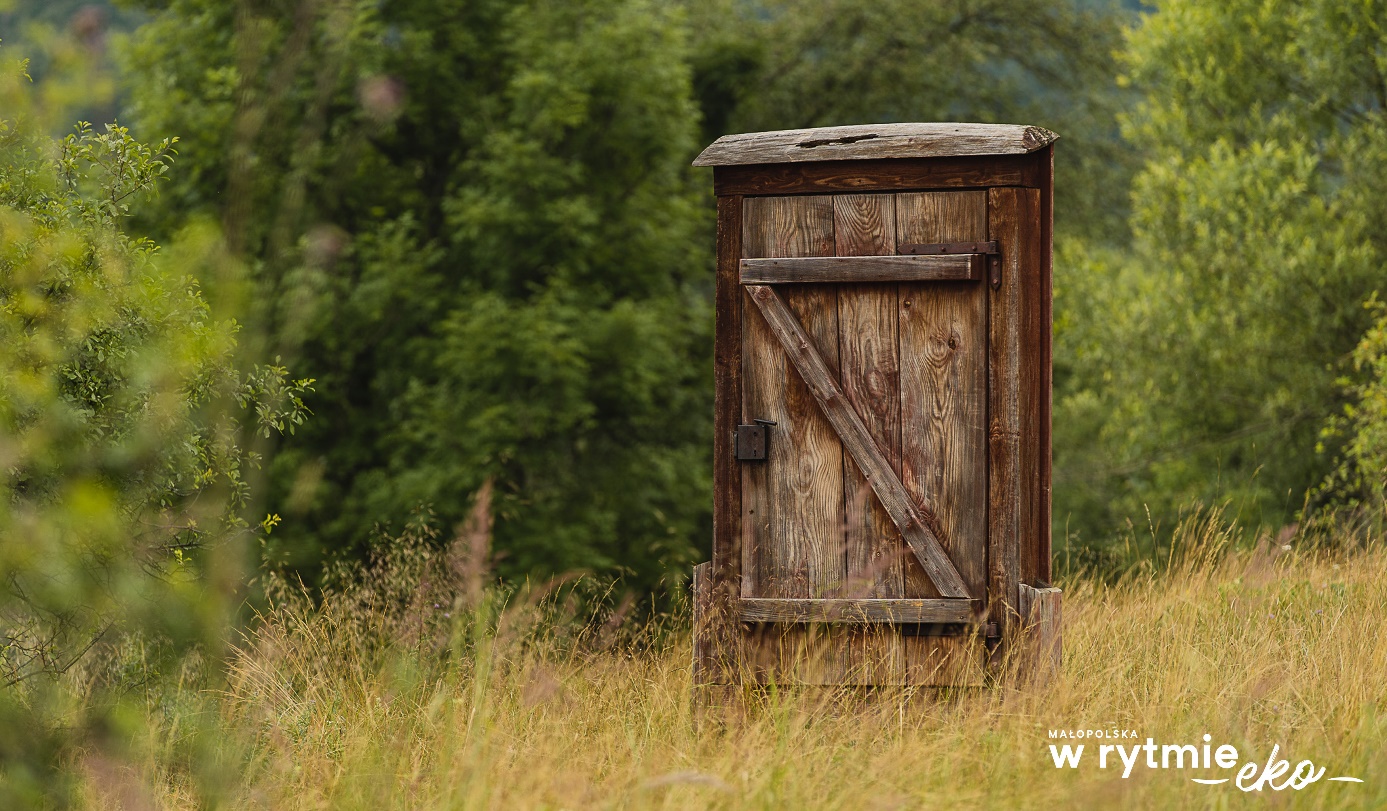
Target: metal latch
[[988, 249], [750, 443]]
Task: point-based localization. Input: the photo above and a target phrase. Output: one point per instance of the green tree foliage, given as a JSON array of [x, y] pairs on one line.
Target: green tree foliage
[[785, 64], [122, 465], [476, 225], [1357, 488], [1205, 360]]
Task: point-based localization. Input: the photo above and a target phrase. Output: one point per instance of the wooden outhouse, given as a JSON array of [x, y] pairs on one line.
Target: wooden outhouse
[[883, 378]]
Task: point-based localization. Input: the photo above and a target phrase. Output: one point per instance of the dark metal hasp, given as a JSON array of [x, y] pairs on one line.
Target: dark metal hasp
[[935, 248], [750, 443]]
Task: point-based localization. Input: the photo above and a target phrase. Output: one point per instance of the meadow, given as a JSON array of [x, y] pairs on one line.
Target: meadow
[[379, 695]]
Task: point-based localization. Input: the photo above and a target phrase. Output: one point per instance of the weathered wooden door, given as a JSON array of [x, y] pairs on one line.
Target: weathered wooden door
[[865, 530]]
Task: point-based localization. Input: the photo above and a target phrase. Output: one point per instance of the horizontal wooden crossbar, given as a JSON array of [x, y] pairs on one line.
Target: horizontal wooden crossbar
[[862, 611], [928, 268]]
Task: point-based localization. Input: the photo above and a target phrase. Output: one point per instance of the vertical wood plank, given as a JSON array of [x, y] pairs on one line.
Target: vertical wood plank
[[943, 352], [726, 574], [792, 503], [1034, 395], [1013, 220], [1040, 654], [865, 225], [943, 347], [1046, 157]]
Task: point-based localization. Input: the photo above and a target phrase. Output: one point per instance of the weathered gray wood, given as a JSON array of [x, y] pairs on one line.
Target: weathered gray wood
[[943, 347], [914, 523], [874, 141], [936, 268], [860, 611], [1040, 653], [1012, 215]]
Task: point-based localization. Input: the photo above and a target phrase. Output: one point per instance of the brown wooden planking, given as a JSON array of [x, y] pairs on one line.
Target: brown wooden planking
[[811, 489], [787, 226], [943, 418], [727, 472], [812, 484], [1029, 405], [1047, 365], [823, 270], [774, 565], [916, 524], [943, 340], [879, 175], [943, 347], [792, 508], [861, 611], [865, 225], [1013, 222]]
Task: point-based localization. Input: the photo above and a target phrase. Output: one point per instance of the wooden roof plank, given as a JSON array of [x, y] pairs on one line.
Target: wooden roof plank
[[868, 141]]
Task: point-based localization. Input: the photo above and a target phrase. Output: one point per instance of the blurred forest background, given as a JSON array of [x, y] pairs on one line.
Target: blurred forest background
[[412, 250]]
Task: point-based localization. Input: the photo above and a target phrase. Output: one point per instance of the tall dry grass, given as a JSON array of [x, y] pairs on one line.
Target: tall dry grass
[[375, 700]]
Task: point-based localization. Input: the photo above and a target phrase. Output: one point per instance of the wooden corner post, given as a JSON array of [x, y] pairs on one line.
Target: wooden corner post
[[717, 585]]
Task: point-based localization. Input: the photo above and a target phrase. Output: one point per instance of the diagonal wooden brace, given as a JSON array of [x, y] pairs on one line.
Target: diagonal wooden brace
[[913, 522]]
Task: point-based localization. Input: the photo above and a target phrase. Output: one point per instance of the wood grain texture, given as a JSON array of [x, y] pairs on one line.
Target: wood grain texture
[[1046, 158], [775, 227], [1032, 379], [865, 225], [878, 175], [831, 269], [943, 417], [726, 573], [792, 503], [859, 611], [1041, 653], [943, 340], [943, 347], [866, 141], [1013, 220], [915, 524]]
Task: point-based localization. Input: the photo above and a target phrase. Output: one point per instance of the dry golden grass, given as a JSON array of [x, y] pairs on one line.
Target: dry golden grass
[[335, 709]]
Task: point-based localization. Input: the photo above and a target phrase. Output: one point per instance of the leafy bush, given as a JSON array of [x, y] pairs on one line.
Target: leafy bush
[[123, 469], [1357, 488]]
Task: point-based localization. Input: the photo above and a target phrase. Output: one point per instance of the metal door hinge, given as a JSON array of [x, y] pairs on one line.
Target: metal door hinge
[[751, 443], [989, 249], [938, 248]]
